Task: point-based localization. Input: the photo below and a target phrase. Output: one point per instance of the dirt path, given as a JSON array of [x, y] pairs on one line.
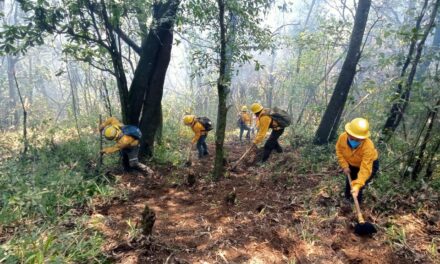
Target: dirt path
[[270, 222]]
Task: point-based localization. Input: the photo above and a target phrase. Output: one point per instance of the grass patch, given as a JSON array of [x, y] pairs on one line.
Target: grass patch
[[44, 197]]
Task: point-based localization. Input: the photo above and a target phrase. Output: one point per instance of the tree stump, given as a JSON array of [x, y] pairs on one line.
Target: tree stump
[[231, 197], [147, 222], [191, 179]]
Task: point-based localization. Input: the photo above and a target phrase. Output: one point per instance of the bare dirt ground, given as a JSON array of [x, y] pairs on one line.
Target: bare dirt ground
[[278, 217]]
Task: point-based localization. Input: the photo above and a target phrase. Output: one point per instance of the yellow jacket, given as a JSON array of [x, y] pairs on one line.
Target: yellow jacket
[[122, 142], [361, 157], [246, 118], [198, 130], [264, 122]]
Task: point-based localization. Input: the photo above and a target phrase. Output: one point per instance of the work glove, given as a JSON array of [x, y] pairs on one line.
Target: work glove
[[355, 191]]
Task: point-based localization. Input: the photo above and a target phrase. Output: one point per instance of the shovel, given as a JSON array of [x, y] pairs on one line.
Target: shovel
[[242, 157], [362, 228]]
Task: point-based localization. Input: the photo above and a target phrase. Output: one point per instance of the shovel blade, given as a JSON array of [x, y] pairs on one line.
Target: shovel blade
[[365, 229]]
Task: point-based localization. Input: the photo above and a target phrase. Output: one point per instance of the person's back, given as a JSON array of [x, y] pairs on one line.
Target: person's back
[[113, 131], [265, 122], [245, 123], [127, 145], [200, 133], [246, 118]]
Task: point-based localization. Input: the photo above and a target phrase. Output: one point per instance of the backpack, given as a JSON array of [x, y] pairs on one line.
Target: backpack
[[206, 123], [133, 131], [280, 116]]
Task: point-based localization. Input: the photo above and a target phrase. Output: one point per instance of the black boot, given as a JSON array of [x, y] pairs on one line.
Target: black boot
[[279, 149]]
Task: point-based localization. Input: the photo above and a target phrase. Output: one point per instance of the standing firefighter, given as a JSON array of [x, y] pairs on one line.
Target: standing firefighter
[[357, 156], [127, 143], [244, 122], [200, 126], [275, 119]]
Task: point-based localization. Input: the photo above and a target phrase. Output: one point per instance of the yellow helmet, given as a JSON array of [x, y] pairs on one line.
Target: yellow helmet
[[244, 108], [188, 119], [256, 107], [358, 128], [111, 132]]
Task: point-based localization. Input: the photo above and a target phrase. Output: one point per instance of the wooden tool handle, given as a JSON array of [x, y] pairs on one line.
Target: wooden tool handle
[[100, 141], [189, 152], [242, 157], [356, 203]]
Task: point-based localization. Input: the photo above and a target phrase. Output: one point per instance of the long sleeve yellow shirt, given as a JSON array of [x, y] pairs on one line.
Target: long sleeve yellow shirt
[[123, 142], [263, 123], [361, 157], [263, 126], [246, 118], [198, 130]]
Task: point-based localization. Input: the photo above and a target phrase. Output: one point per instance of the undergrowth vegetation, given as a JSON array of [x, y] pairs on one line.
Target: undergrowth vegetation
[[47, 194], [44, 198]]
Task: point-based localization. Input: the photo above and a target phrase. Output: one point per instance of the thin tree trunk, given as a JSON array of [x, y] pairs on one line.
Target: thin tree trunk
[[222, 88], [431, 161], [25, 140], [223, 85], [269, 91], [118, 66], [404, 89], [31, 81], [74, 100], [419, 159], [298, 61], [12, 61], [435, 45], [106, 97], [330, 121]]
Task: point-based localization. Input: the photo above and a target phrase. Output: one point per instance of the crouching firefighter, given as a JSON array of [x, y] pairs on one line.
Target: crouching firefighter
[[127, 143], [200, 126], [277, 120]]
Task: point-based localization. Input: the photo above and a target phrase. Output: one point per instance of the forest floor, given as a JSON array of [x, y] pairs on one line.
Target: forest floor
[[278, 216]]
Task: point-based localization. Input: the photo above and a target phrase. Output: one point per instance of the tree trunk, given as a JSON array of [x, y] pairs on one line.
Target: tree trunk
[[121, 82], [12, 61], [106, 97], [404, 89], [25, 139], [431, 162], [435, 45], [416, 162], [269, 91], [31, 81], [298, 61], [118, 66], [146, 90], [223, 83], [330, 121], [74, 95]]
